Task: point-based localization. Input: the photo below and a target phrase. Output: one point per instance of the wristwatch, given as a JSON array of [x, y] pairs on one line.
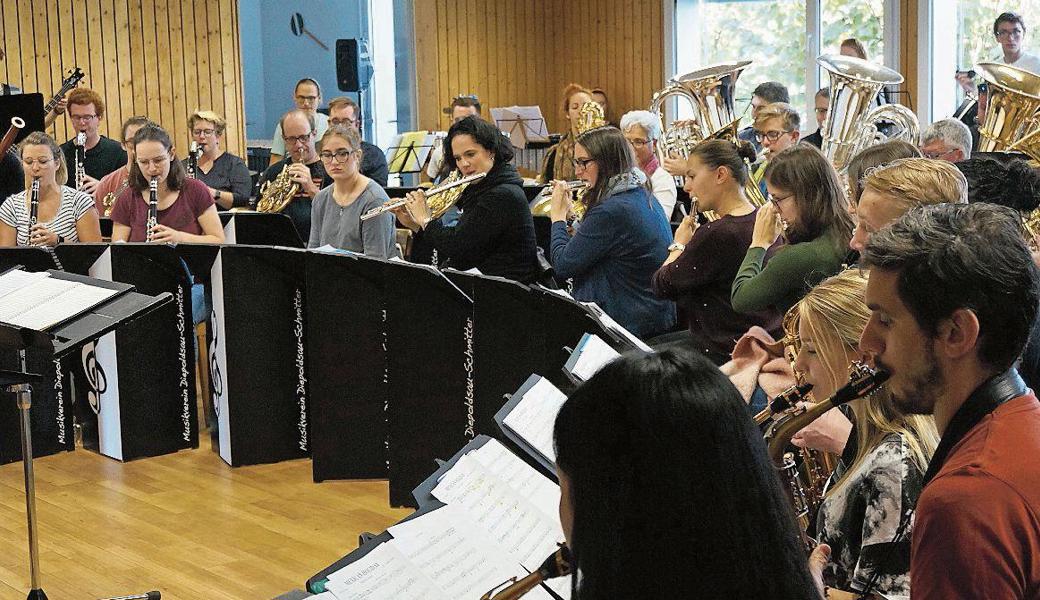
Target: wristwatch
[[216, 194], [676, 246]]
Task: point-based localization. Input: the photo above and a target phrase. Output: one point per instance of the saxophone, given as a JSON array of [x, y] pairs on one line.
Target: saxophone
[[276, 194], [153, 208], [109, 200], [804, 486]]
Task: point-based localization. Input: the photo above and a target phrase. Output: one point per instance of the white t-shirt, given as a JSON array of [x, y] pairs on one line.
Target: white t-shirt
[[74, 204], [1028, 62], [663, 186], [321, 124]]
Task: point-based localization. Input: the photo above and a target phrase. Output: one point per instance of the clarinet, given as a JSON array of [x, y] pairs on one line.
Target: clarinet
[[34, 204], [193, 160], [81, 151], [153, 207]]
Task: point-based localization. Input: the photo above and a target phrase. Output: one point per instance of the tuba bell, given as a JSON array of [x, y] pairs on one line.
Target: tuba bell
[[1012, 121], [850, 125]]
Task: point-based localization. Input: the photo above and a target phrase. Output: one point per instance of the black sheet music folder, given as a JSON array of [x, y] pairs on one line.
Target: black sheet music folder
[[515, 442]]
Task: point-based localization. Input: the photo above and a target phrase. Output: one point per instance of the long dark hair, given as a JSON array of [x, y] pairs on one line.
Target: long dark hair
[[735, 156], [154, 133], [613, 155], [485, 134], [673, 492], [802, 170]]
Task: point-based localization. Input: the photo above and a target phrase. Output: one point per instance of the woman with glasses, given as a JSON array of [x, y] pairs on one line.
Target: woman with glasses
[[225, 174], [63, 214], [623, 237], [557, 163], [186, 210], [808, 207], [495, 229], [337, 209], [703, 259], [642, 129]]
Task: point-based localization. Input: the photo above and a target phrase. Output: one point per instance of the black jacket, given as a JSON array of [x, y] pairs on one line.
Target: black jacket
[[12, 178], [495, 230]]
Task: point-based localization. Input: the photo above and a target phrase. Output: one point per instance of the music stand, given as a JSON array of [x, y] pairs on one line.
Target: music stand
[[525, 124], [409, 152], [60, 339]]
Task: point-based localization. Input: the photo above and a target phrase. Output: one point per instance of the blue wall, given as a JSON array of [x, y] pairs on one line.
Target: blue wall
[[273, 59]]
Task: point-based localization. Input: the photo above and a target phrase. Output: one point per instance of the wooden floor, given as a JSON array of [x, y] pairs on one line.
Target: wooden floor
[[185, 524]]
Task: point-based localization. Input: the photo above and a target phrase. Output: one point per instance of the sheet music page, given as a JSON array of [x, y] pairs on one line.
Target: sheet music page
[[72, 301], [534, 416], [30, 296], [526, 481], [593, 355], [383, 574], [461, 561], [17, 279], [493, 507]]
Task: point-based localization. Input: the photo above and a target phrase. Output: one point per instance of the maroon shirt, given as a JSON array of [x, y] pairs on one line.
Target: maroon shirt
[[700, 281], [131, 209]]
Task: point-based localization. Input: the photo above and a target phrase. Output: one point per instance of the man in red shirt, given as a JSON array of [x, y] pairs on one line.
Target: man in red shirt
[[953, 293]]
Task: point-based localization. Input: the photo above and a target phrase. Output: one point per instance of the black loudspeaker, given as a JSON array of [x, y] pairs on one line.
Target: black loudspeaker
[[353, 66]]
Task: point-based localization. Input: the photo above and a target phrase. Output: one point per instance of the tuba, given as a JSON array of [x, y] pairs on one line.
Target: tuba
[[590, 116], [276, 194], [850, 125], [1012, 121]]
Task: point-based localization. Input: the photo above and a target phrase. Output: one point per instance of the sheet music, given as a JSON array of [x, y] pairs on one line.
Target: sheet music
[[593, 355], [522, 123], [385, 573], [410, 151], [526, 481], [458, 559], [534, 416], [49, 301], [16, 279]]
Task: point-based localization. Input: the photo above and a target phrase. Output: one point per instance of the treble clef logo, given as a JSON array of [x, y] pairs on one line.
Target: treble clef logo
[[95, 377], [216, 379]]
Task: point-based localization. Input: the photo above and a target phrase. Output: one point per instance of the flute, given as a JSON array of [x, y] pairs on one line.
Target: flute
[[153, 207], [375, 212], [572, 186]]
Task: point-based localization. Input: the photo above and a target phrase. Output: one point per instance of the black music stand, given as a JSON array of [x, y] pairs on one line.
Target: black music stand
[[61, 339], [29, 258], [257, 337], [261, 229], [399, 155], [347, 353]]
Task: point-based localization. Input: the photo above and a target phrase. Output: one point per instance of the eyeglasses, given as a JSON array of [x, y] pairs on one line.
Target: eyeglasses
[[340, 155], [157, 162], [82, 118], [580, 164], [1009, 33], [938, 155], [205, 132], [772, 136], [298, 139], [343, 121], [638, 143], [43, 162], [308, 99], [777, 200], [472, 97]]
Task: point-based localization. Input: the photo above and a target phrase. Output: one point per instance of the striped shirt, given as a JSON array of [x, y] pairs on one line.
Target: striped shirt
[[74, 204]]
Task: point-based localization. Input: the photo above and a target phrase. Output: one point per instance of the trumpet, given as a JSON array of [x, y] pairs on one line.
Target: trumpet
[[81, 152], [454, 182], [557, 565], [153, 207]]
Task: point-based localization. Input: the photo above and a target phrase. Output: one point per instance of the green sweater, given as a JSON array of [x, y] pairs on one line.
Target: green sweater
[[792, 271]]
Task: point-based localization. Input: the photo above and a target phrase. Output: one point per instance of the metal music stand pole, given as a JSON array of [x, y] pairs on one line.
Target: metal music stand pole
[[23, 396]]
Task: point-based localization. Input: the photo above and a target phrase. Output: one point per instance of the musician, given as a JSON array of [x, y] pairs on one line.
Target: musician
[[303, 166], [63, 214], [558, 160], [866, 498], [764, 94], [1009, 29], [186, 209], [822, 102], [307, 97], [703, 259], [777, 127], [875, 156], [623, 237], [102, 155], [852, 47], [808, 206], [600, 97], [337, 209], [461, 107], [495, 230], [115, 182], [976, 531], [666, 490], [225, 174], [344, 111], [948, 140], [642, 129]]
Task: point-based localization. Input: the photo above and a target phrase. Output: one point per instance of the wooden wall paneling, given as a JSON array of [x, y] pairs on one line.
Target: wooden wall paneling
[[189, 35], [426, 35], [216, 61], [151, 52], [164, 69], [241, 106], [28, 51], [230, 65], [42, 50], [135, 40], [113, 91], [181, 107], [202, 53], [124, 64], [57, 65]]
